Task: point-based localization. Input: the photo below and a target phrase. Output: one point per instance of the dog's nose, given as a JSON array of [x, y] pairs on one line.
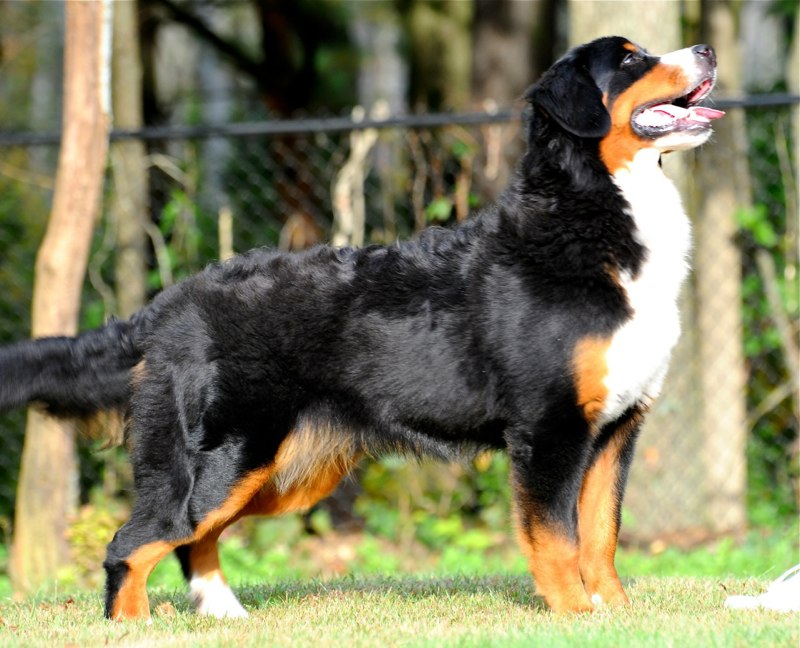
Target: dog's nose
[[705, 52]]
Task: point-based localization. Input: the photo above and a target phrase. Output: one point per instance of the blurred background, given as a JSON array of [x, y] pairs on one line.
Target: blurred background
[[241, 123]]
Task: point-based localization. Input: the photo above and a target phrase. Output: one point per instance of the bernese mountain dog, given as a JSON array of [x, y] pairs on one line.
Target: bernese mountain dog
[[542, 325]]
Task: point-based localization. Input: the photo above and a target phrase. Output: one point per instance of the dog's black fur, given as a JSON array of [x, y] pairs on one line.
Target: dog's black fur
[[464, 338]]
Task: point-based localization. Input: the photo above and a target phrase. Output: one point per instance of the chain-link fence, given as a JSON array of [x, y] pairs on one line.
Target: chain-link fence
[[298, 183]]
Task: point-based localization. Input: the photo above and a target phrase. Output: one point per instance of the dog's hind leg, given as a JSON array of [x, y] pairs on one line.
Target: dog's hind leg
[[154, 531], [599, 508], [132, 555], [208, 588], [546, 482], [200, 559]]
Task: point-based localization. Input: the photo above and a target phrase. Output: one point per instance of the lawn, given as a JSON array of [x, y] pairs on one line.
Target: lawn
[[414, 611], [364, 590]]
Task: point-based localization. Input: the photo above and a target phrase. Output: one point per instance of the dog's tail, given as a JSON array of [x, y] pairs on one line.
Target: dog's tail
[[72, 376]]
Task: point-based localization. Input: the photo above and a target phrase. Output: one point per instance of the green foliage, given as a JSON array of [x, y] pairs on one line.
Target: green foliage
[[449, 501], [89, 533], [764, 229], [23, 214], [439, 210], [755, 221], [180, 226], [765, 552]]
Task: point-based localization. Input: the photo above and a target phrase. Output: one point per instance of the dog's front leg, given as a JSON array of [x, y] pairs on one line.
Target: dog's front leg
[[546, 484], [599, 508]]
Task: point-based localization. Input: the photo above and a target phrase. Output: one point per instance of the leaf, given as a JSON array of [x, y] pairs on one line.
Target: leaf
[[439, 209], [755, 220]]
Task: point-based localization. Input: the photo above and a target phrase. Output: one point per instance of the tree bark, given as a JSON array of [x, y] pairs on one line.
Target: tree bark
[[665, 469], [46, 488], [691, 452], [129, 163], [724, 179], [512, 44], [440, 54]]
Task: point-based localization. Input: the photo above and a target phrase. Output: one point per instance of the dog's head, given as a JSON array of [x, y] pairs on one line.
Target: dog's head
[[614, 91]]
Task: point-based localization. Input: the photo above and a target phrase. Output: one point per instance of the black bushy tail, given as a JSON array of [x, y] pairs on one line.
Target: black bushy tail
[[71, 376]]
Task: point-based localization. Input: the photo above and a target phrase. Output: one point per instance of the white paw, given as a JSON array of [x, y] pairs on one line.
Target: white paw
[[212, 597]]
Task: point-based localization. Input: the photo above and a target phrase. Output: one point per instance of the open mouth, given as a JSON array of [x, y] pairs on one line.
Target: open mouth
[[677, 114]]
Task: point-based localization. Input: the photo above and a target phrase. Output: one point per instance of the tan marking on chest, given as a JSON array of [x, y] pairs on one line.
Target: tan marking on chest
[[590, 370]]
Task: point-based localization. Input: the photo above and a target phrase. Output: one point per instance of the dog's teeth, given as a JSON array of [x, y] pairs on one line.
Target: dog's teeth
[[654, 118]]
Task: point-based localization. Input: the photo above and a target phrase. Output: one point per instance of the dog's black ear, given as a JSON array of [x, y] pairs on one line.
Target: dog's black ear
[[569, 95]]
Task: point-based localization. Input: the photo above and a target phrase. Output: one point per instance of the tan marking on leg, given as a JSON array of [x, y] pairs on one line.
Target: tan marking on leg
[[598, 510], [299, 496], [307, 467], [131, 599], [598, 531], [208, 588], [553, 563], [231, 509], [590, 368], [311, 448], [204, 556]]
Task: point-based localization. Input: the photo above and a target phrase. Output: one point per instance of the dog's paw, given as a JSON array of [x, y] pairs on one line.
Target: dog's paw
[[212, 597]]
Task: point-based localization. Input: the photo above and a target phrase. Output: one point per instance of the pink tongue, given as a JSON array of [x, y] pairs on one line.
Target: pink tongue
[[708, 113], [672, 110]]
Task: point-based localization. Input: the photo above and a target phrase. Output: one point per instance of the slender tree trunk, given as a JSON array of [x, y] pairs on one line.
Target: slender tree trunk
[[47, 480], [512, 44], [129, 163], [440, 54], [724, 179], [663, 471]]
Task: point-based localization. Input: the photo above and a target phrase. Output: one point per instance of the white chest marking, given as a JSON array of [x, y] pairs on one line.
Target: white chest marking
[[639, 353]]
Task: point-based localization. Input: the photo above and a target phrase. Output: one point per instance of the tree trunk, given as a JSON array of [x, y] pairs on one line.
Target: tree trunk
[[724, 180], [440, 54], [129, 163], [47, 480], [667, 469], [654, 25], [512, 44], [691, 452]]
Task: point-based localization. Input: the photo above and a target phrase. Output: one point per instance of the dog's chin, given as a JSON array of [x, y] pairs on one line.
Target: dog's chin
[[680, 140]]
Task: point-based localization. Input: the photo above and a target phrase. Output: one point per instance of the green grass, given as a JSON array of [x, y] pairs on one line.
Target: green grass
[[762, 553], [289, 584], [414, 611]]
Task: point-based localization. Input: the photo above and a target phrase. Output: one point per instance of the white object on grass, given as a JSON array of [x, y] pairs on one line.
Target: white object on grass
[[782, 595]]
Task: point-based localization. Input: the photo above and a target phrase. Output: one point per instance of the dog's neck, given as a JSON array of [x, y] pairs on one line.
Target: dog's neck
[[658, 214]]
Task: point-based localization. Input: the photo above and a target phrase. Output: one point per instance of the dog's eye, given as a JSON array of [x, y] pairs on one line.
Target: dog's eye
[[633, 57]]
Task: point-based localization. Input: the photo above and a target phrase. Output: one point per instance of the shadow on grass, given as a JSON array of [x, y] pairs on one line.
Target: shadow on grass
[[514, 589], [517, 590]]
